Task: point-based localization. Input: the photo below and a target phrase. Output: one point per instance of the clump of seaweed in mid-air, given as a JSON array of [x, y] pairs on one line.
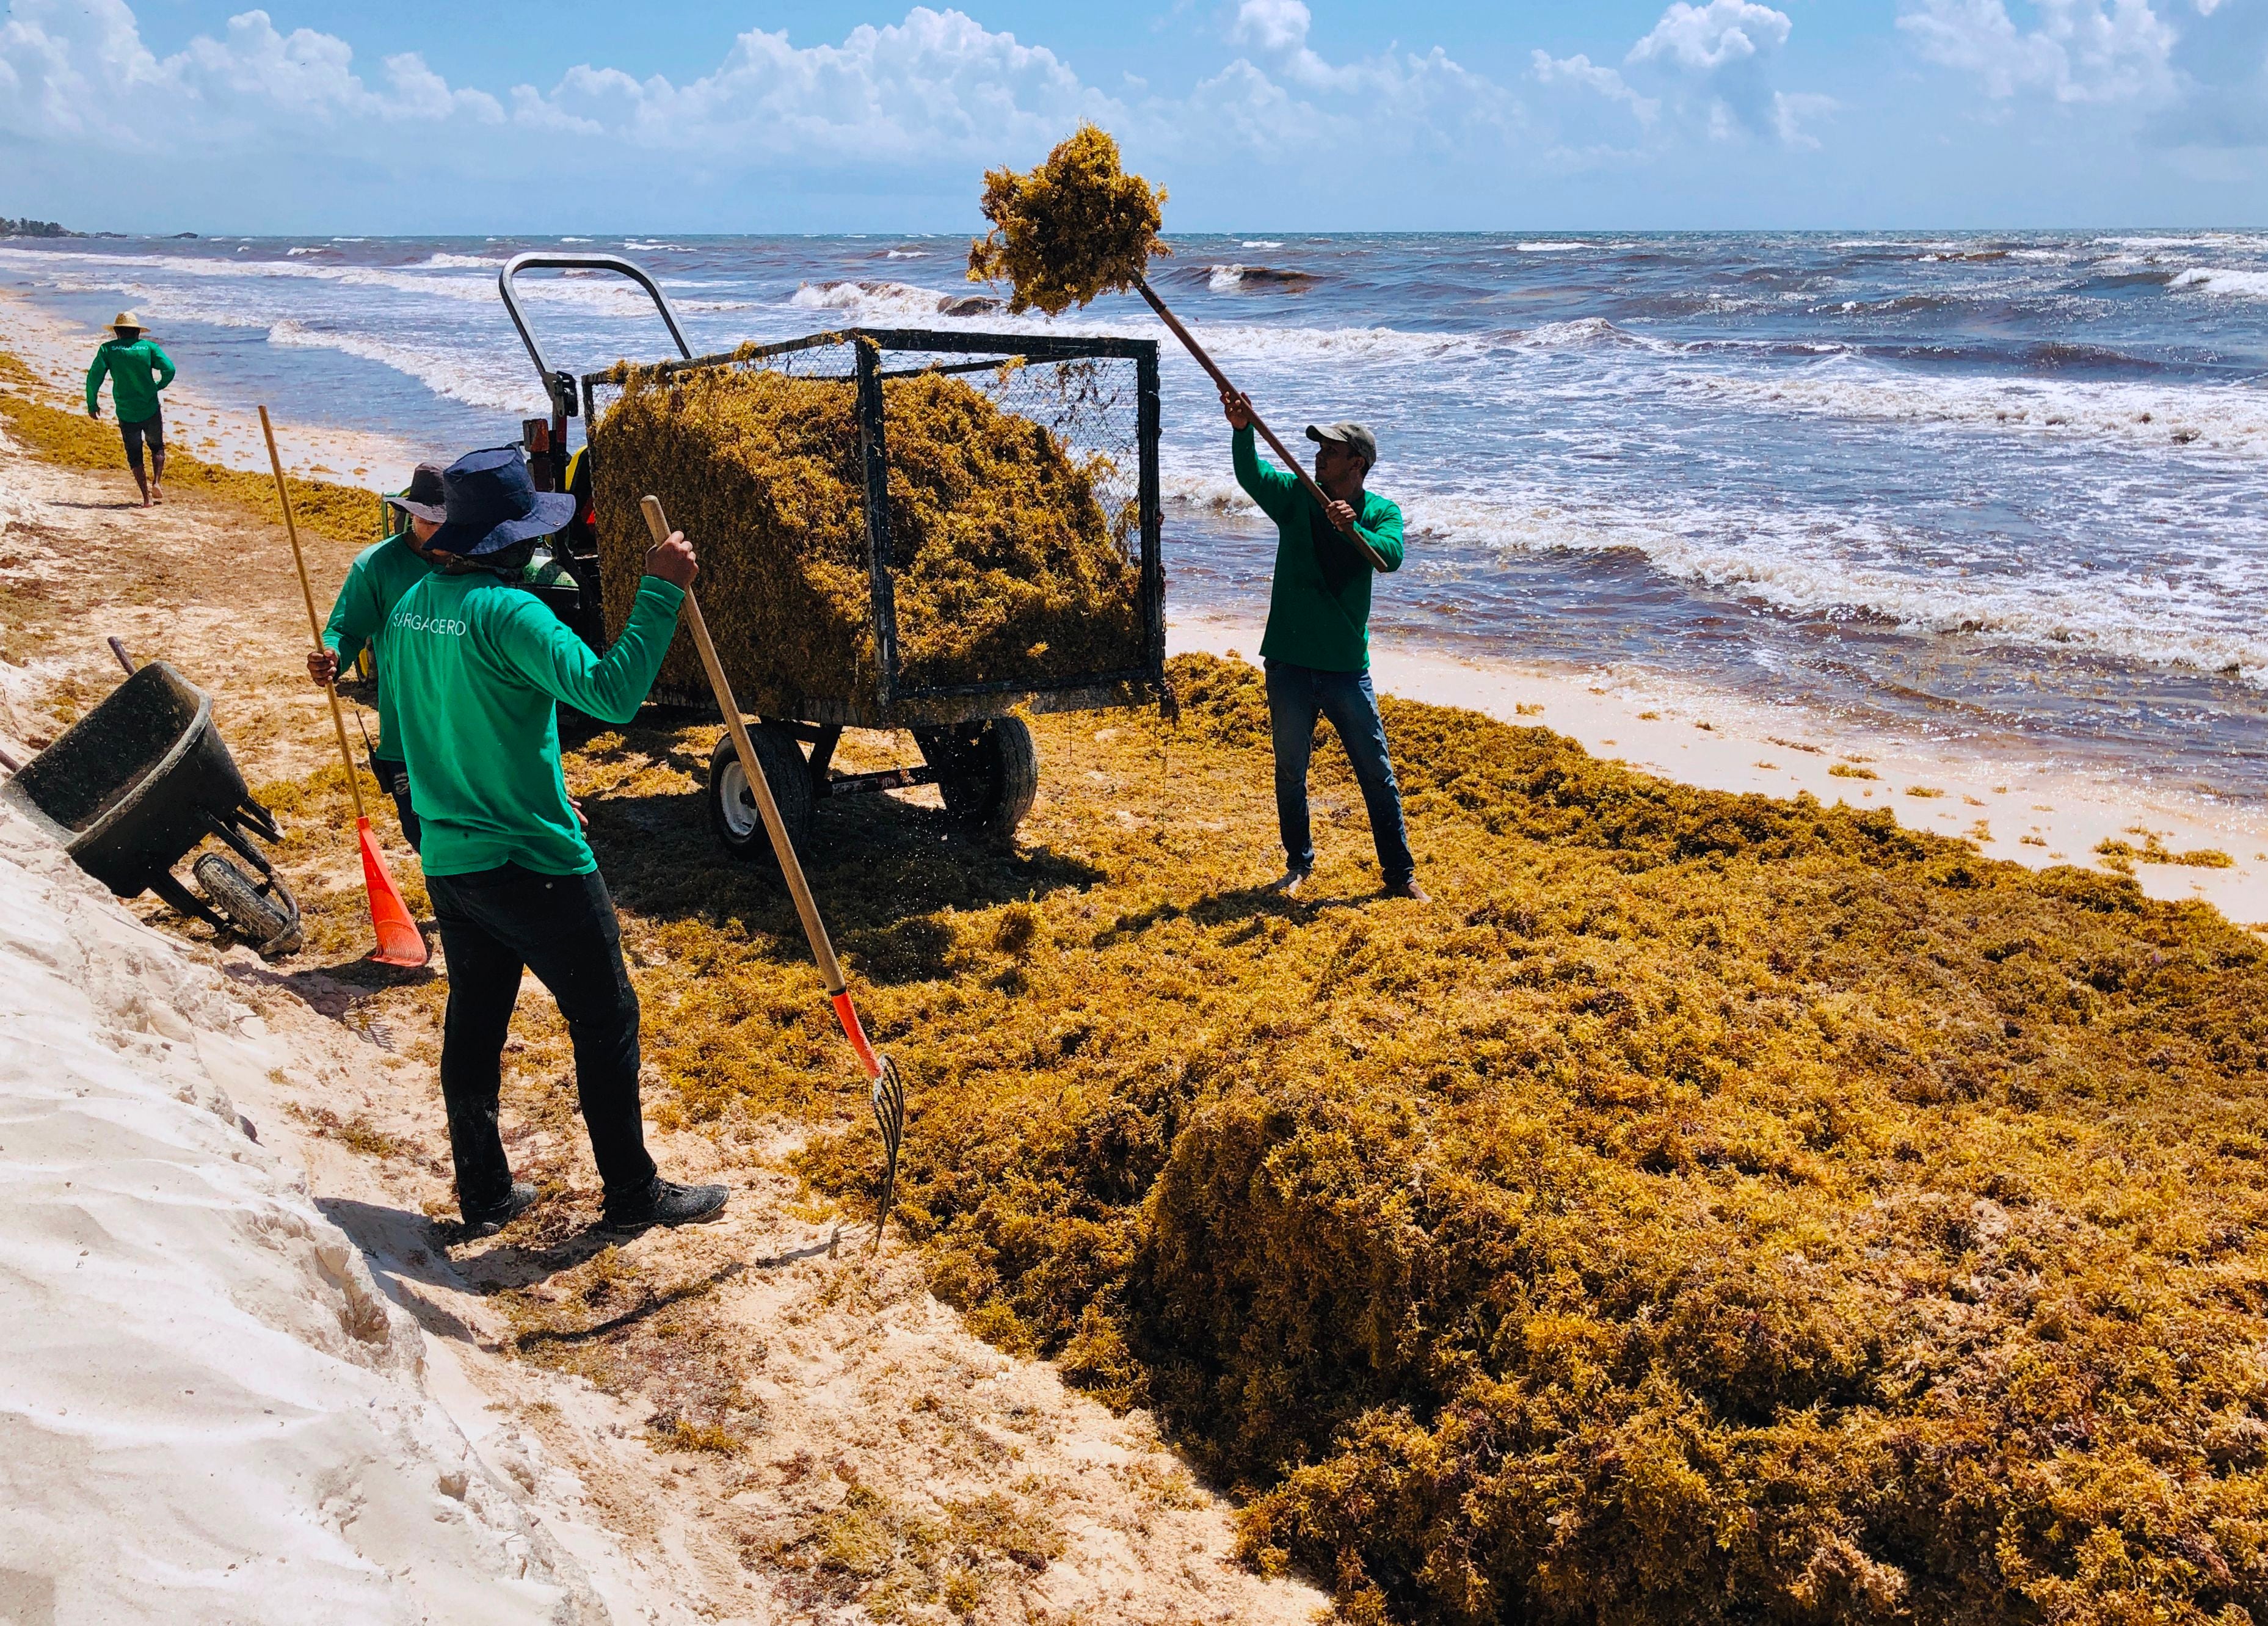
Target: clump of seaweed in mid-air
[[1076, 227], [1006, 566], [1079, 227]]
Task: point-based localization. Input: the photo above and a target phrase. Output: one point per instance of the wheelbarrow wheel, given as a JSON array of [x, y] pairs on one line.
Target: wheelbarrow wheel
[[732, 813], [988, 777], [264, 921]]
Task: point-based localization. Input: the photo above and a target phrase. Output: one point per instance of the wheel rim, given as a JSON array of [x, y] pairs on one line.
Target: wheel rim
[[734, 804]]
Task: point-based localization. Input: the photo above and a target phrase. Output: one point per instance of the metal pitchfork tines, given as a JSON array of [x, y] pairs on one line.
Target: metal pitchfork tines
[[888, 1097], [887, 1092]]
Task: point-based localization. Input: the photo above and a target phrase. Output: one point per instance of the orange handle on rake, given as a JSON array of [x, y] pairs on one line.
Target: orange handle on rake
[[400, 943], [886, 1090]]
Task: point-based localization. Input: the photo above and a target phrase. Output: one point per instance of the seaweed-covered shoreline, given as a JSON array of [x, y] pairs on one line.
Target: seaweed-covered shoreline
[[1726, 1209], [1714, 1207]]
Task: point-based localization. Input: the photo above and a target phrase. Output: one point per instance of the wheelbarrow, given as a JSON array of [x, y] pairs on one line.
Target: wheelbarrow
[[135, 786]]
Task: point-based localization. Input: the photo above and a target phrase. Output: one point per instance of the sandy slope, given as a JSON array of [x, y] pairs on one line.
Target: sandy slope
[[207, 1410], [884, 1453]]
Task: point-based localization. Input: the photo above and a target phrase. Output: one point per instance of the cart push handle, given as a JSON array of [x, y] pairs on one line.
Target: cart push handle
[[561, 386]]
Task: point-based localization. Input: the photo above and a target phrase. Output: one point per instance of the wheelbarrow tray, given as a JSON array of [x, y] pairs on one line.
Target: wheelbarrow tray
[[126, 788], [136, 783]]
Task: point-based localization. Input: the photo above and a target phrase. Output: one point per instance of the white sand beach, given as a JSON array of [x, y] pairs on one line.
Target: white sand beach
[[58, 352], [2010, 809], [209, 1412]]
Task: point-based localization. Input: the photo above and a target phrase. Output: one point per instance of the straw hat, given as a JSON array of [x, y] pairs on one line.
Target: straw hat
[[124, 320]]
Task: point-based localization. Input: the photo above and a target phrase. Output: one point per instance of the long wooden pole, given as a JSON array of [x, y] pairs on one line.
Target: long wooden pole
[[1266, 433], [830, 969], [314, 624], [886, 1090]]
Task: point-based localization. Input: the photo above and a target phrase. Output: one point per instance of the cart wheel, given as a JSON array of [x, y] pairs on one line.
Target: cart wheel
[[732, 813], [989, 778], [265, 921]]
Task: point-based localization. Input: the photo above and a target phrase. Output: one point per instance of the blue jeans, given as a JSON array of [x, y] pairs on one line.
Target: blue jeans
[[494, 924], [1297, 695]]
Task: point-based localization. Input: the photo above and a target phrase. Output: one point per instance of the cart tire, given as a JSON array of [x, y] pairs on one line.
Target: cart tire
[[268, 924], [733, 816], [989, 781]]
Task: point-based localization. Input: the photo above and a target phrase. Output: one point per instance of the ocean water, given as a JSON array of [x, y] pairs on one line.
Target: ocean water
[[2000, 490]]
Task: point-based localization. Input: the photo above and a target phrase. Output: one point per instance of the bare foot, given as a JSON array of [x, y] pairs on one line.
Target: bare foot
[[157, 494]]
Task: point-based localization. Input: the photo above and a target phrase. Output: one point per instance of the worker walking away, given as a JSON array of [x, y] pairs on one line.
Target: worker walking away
[[375, 583], [474, 671], [1316, 651], [137, 369]]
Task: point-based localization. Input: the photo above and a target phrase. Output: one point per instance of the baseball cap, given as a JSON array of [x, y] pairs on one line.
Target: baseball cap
[[1353, 435]]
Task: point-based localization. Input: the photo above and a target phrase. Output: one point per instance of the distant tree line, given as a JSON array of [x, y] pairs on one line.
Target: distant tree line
[[34, 228]]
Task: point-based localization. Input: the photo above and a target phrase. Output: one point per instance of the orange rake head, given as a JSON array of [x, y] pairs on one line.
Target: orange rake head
[[400, 943]]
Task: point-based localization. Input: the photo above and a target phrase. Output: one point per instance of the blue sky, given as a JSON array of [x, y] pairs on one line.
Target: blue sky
[[1257, 115]]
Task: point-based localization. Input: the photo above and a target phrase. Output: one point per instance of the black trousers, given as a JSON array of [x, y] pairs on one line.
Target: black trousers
[[494, 924], [152, 429], [395, 779]]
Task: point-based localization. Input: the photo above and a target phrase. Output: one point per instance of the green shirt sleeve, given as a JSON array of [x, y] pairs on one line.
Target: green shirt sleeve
[[95, 375], [1384, 532], [165, 366], [355, 616], [611, 688], [1264, 482]]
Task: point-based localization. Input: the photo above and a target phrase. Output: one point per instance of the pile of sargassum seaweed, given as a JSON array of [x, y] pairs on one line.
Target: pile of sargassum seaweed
[[1006, 566], [1726, 1209]]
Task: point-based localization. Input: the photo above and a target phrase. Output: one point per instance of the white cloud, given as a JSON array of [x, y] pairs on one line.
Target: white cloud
[[1271, 25], [1790, 113], [1714, 63], [1580, 70], [2220, 65], [906, 110], [938, 85], [82, 72], [1296, 100], [1706, 39], [2076, 50]]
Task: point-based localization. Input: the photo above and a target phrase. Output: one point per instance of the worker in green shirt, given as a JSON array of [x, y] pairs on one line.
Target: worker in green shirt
[[375, 583], [1316, 651], [474, 671], [137, 369]]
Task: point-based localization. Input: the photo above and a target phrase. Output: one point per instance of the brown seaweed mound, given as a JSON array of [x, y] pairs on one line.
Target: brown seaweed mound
[[1006, 567], [1714, 1209], [1077, 226]]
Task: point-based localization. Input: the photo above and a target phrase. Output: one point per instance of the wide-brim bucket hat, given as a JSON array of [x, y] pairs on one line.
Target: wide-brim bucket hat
[[492, 501], [427, 497]]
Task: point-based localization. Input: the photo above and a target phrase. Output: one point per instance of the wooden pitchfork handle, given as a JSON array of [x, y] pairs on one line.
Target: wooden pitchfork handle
[[813, 928], [1266, 433], [291, 527]]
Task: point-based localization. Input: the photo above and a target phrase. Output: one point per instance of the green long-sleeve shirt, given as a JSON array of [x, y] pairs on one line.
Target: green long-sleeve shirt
[[132, 388], [380, 576], [1319, 604], [474, 669]]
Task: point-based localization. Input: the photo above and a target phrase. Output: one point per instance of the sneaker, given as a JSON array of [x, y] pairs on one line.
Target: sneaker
[[1409, 889], [666, 1202], [1290, 882], [488, 1222]]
